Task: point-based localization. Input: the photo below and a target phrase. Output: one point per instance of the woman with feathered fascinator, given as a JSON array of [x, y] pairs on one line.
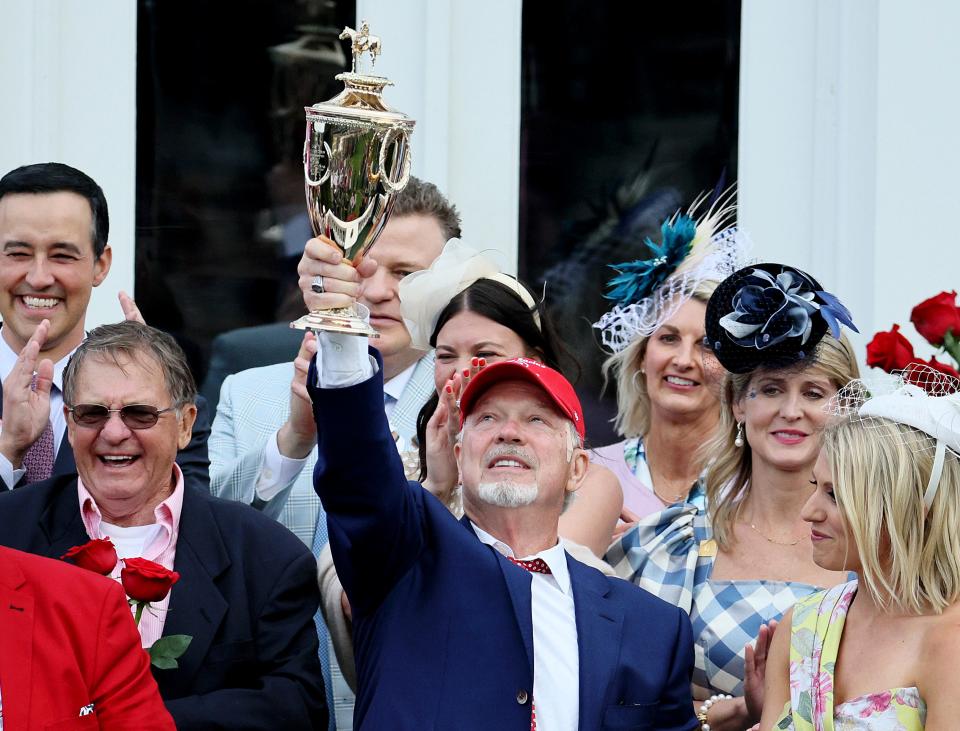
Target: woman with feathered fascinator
[[666, 405]]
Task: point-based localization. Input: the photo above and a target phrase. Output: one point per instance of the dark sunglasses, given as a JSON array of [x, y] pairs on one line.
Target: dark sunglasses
[[135, 416]]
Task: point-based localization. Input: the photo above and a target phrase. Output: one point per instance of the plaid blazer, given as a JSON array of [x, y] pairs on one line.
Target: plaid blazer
[[253, 406]]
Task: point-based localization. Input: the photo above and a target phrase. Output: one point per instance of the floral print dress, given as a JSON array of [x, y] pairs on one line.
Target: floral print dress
[[814, 643]]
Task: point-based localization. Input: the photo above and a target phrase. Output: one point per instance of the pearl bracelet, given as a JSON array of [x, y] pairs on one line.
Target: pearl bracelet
[[705, 708]]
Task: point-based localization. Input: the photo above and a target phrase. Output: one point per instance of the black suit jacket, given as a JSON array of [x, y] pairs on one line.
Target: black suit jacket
[[247, 595], [193, 459]]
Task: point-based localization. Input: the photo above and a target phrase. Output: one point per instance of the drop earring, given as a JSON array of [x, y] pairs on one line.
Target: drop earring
[[738, 440]]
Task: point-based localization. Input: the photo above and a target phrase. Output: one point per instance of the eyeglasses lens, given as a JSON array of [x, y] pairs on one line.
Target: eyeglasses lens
[[135, 416]]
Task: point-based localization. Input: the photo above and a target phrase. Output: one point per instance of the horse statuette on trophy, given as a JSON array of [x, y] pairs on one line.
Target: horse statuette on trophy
[[356, 158]]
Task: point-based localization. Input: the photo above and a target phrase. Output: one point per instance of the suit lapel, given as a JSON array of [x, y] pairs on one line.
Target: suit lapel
[[16, 643], [65, 463], [414, 396], [599, 625], [197, 607], [60, 521], [518, 584]]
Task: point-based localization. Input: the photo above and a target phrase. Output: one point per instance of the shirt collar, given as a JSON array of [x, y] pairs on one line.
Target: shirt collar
[[166, 514], [394, 387], [555, 557], [8, 359]]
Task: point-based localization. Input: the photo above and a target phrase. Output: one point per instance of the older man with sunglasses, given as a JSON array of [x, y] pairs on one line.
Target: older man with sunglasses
[[247, 591]]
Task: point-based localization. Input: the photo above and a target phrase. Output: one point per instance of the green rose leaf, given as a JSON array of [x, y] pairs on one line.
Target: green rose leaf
[[166, 650]]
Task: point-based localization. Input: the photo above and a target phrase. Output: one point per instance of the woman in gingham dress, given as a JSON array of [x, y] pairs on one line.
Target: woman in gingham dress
[[746, 560]]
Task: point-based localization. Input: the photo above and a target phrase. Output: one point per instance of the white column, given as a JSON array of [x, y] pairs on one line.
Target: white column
[[456, 66], [68, 74]]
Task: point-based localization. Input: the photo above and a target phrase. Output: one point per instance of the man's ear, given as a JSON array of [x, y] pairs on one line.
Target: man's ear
[[188, 415], [578, 469], [101, 267]]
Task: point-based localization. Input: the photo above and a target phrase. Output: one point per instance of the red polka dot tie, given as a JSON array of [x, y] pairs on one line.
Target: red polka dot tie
[[536, 566]]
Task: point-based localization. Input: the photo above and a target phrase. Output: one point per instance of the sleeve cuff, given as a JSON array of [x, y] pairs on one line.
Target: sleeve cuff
[[8, 474], [344, 360], [276, 470]]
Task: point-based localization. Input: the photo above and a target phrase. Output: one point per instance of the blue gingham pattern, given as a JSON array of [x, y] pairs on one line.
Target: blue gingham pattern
[[726, 616], [666, 554]]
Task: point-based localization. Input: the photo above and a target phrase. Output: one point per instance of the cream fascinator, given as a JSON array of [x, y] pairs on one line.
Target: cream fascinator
[[424, 294], [918, 397]]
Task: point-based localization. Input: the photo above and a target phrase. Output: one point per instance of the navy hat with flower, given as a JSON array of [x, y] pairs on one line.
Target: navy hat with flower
[[770, 315]]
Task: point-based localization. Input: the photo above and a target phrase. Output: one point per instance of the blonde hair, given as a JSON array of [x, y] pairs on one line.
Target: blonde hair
[[910, 559], [730, 467], [633, 401]]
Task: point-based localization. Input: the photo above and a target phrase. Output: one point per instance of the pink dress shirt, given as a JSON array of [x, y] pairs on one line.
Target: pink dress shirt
[[162, 550]]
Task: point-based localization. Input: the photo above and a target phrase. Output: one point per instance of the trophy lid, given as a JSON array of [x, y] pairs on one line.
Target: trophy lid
[[361, 99]]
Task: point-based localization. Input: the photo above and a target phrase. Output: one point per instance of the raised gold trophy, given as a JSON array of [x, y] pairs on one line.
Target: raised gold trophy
[[356, 158]]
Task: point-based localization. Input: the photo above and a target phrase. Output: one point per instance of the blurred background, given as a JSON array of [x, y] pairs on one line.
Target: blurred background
[[564, 131]]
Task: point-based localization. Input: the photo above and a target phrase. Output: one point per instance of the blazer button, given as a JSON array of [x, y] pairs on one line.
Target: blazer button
[[522, 696]]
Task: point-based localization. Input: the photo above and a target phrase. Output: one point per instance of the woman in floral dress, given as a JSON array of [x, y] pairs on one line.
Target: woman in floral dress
[[879, 653]]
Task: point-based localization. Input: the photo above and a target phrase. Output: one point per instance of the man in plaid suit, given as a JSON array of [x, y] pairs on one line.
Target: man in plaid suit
[[263, 446]]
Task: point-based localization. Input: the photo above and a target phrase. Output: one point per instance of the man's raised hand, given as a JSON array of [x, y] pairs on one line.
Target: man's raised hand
[[26, 398]]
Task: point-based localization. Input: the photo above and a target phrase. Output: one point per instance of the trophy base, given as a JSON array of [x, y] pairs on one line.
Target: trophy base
[[339, 320]]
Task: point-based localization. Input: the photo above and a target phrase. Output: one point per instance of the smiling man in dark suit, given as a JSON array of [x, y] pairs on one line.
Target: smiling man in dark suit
[[54, 227], [247, 591]]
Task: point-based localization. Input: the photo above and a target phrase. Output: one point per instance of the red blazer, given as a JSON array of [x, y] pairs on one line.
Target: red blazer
[[68, 641]]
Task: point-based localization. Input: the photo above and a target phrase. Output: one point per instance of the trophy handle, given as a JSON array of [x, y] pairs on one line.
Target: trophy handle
[[306, 168], [388, 140]]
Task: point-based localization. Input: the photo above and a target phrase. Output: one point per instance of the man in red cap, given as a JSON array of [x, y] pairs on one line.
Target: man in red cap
[[483, 623]]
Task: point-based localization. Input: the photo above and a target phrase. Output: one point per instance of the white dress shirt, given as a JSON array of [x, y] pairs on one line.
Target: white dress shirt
[[556, 659], [8, 359]]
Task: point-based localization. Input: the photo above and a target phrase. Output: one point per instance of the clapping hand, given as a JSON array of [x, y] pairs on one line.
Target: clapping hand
[[26, 398], [755, 669], [442, 429], [628, 519], [129, 307], [298, 434]]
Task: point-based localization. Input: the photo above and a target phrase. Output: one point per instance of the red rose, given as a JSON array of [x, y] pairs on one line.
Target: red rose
[[146, 581], [919, 373], [934, 317], [97, 555], [889, 351]]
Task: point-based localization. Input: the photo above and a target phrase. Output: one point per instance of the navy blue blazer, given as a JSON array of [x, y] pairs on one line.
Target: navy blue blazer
[[193, 459], [247, 595], [443, 633]]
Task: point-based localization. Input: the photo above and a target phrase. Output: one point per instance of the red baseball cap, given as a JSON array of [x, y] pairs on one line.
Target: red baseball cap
[[552, 382]]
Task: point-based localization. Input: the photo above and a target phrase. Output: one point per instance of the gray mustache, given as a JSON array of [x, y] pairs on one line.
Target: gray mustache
[[510, 450]]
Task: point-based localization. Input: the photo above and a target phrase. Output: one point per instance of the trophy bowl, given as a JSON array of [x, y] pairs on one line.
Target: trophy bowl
[[356, 158]]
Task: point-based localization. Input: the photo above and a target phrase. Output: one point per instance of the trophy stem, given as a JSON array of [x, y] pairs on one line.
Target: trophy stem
[[338, 320]]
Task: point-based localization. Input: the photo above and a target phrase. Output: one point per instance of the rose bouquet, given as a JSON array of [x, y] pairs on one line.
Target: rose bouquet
[[145, 582], [938, 320]]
